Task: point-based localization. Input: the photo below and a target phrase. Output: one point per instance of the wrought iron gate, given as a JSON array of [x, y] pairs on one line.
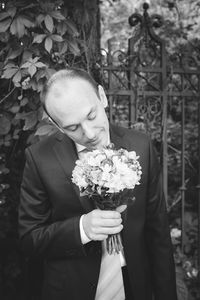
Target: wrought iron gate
[[152, 91]]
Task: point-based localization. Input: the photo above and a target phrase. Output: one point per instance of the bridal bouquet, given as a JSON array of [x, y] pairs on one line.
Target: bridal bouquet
[[108, 175]]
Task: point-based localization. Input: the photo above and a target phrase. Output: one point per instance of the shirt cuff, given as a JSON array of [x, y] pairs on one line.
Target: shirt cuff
[[84, 237]]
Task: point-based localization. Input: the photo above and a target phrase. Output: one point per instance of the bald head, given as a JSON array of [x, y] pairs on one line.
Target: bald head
[[64, 77]]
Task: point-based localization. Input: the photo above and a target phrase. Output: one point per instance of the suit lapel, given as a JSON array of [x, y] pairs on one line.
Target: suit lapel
[[66, 154], [117, 137]]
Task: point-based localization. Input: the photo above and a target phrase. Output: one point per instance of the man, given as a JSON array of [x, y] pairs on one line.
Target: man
[[56, 223]]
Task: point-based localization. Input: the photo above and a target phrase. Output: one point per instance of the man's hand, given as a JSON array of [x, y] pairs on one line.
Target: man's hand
[[98, 224]]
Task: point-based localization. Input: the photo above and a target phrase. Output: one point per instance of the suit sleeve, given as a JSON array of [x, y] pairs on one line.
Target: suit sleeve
[[158, 235], [38, 234]]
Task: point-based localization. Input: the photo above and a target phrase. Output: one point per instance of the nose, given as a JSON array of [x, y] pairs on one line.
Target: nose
[[89, 132]]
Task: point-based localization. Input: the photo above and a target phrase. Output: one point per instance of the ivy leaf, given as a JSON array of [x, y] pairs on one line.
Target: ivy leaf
[[32, 70], [61, 28], [73, 46], [27, 23], [56, 38], [9, 72], [45, 130], [14, 53], [64, 48], [39, 38], [32, 64], [17, 27], [4, 25], [10, 65], [39, 19], [19, 24], [26, 65], [40, 65], [40, 86], [72, 28], [16, 134], [49, 72], [3, 15], [48, 44], [17, 77], [24, 101], [57, 15], [26, 55], [41, 73], [14, 109], [30, 119], [12, 11], [49, 23], [5, 125]]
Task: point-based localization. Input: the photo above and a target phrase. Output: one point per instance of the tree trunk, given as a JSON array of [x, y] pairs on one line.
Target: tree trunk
[[86, 16]]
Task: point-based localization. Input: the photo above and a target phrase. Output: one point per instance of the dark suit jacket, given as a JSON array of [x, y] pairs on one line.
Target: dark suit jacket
[[49, 215]]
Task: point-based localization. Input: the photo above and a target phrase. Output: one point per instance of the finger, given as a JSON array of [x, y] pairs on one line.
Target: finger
[[121, 208], [108, 230], [109, 214], [100, 237], [109, 222]]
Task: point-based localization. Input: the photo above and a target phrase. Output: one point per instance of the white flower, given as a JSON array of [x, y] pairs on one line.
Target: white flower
[[107, 170], [175, 233], [194, 272], [132, 155]]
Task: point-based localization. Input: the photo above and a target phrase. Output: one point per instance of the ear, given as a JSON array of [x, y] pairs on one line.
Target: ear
[[102, 96]]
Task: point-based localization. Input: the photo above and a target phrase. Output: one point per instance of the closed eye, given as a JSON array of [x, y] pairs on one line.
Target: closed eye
[[72, 128], [92, 115]]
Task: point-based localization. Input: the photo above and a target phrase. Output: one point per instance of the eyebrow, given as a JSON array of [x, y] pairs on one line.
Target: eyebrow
[[71, 125]]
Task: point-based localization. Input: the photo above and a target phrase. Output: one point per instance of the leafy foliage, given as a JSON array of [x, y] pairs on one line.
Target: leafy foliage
[[186, 269], [180, 21], [36, 39]]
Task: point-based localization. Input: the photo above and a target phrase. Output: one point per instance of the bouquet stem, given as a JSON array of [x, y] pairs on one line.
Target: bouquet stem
[[114, 244]]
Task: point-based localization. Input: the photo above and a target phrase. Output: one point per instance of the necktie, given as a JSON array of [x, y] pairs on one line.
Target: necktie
[[110, 285]]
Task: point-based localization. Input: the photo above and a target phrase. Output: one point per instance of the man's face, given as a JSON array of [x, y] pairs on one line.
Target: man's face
[[79, 112]]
